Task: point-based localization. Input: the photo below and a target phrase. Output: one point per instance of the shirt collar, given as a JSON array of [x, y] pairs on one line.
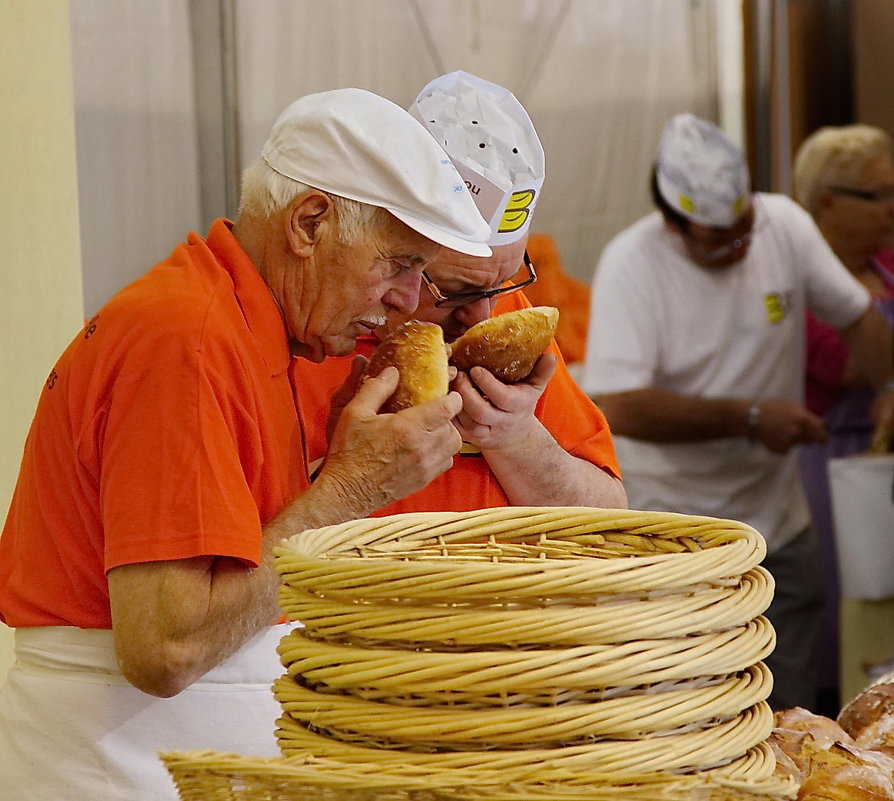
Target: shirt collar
[[253, 296]]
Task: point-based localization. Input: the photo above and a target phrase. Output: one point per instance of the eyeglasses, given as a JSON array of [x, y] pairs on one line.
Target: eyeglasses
[[451, 300], [869, 195]]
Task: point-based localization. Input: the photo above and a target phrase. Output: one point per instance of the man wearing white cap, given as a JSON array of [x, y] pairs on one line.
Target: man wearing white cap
[[166, 457], [696, 356], [538, 442]]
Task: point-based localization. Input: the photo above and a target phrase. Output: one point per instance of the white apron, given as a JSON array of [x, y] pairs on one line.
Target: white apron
[[73, 729]]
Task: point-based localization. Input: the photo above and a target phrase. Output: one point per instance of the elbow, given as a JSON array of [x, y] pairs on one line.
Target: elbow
[[163, 673], [617, 497]]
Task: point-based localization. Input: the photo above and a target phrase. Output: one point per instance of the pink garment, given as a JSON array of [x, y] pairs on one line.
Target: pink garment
[[846, 412], [827, 352]]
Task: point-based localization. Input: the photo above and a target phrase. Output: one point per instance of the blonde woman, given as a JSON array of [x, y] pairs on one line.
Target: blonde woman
[[844, 176]]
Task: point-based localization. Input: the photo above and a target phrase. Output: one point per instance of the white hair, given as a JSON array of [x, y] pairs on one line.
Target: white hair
[[835, 156], [266, 192]]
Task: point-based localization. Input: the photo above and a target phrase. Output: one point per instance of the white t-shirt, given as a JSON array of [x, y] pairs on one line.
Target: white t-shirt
[[660, 320]]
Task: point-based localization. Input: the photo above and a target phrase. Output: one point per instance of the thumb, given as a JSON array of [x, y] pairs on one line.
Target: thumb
[[375, 391], [543, 370]]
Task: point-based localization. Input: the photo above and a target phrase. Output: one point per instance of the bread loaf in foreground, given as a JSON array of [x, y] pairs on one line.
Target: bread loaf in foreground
[[869, 717], [417, 350], [825, 761], [509, 344]]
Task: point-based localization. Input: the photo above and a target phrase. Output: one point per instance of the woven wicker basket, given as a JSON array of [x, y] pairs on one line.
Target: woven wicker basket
[[215, 776], [519, 653]]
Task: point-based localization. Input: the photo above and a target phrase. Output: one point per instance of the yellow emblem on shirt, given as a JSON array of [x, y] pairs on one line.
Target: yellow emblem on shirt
[[775, 306], [468, 449]]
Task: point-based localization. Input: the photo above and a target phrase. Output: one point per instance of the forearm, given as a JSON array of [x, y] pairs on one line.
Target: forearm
[[175, 620], [871, 343], [661, 416], [536, 471]]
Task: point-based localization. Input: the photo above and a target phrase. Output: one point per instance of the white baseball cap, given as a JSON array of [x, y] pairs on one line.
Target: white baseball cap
[[360, 146], [701, 172], [491, 140]]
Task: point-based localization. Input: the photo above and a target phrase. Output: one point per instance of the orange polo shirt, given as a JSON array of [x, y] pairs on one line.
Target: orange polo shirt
[[166, 430], [565, 411]]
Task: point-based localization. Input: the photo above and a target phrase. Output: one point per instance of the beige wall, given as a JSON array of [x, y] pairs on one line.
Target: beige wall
[[40, 281], [873, 28], [867, 632]]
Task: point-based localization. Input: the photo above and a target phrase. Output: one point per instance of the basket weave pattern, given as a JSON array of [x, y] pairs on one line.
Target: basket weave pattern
[[520, 653]]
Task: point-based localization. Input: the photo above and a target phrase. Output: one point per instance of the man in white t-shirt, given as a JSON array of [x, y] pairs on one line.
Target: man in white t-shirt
[[696, 356]]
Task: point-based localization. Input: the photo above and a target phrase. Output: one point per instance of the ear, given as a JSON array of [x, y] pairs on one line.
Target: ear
[[303, 220]]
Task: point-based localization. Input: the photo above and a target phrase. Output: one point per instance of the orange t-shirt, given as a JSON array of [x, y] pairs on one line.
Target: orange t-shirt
[[554, 287], [166, 430], [565, 411]]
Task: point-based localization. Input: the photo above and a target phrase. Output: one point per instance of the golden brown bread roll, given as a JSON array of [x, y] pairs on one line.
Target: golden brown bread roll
[[509, 344], [824, 731], [799, 736], [417, 350], [869, 717], [822, 757], [848, 773]]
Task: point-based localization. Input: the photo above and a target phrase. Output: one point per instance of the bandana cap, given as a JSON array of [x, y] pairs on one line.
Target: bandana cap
[[360, 146], [490, 138], [702, 173]]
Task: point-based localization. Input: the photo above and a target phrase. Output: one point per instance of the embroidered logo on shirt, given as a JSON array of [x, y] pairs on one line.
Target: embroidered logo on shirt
[[469, 450], [777, 305]]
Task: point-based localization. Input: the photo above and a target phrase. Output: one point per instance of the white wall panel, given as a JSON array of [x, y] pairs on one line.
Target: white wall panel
[[598, 77], [136, 137]]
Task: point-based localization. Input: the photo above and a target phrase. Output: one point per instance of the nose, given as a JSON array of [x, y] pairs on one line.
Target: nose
[[404, 294], [473, 313]]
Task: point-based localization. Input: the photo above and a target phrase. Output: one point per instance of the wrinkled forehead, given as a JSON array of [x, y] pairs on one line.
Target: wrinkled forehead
[[395, 239], [451, 267]]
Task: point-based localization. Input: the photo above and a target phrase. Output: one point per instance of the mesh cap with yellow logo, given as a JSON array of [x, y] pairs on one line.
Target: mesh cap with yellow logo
[[490, 138], [360, 146], [701, 172]]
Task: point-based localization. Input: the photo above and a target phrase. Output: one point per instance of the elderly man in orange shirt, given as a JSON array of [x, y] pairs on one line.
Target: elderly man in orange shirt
[[540, 442], [166, 457]]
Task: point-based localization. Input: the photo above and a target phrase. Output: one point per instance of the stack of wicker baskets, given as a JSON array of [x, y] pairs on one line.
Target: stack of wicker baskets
[[519, 653]]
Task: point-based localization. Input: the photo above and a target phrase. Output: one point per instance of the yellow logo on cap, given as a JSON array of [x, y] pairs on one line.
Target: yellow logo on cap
[[686, 204], [518, 209]]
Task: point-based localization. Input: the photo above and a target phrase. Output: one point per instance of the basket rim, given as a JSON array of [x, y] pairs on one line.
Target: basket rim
[[451, 527]]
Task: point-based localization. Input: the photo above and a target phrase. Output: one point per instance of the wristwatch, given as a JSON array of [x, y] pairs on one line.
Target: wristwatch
[[754, 420]]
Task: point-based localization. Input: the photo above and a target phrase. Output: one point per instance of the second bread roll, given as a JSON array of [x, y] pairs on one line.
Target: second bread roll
[[417, 350], [869, 717], [509, 344]]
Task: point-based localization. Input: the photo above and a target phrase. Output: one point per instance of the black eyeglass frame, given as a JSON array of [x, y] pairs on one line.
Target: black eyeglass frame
[[870, 195], [451, 300]]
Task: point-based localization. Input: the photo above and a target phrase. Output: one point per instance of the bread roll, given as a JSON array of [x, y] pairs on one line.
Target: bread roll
[[509, 344], [869, 717], [824, 731], [847, 773], [800, 735], [417, 350], [825, 762]]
